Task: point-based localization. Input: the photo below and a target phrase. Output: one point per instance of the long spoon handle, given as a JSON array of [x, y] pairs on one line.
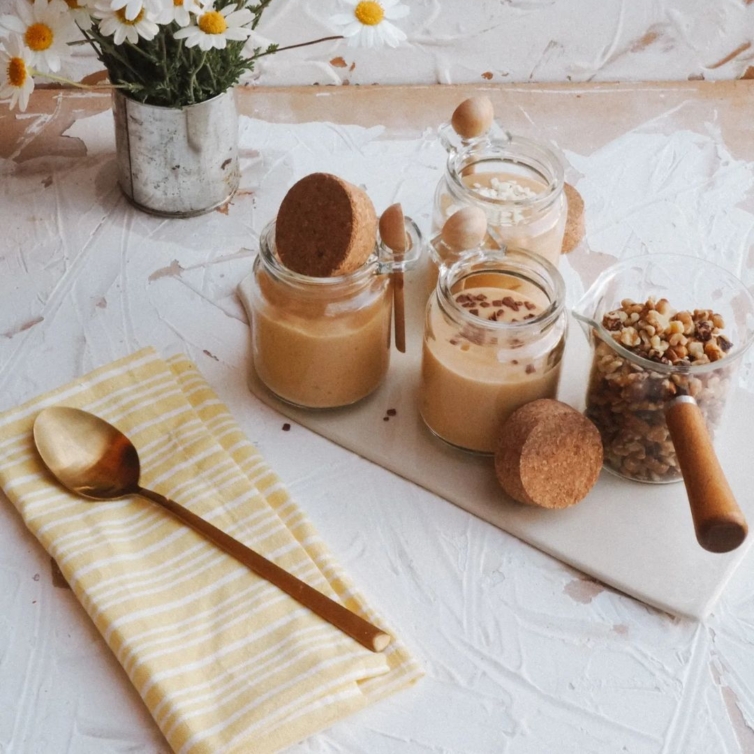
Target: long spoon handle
[[719, 522], [356, 627]]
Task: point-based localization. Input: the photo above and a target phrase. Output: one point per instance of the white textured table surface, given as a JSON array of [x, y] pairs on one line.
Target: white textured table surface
[[523, 655]]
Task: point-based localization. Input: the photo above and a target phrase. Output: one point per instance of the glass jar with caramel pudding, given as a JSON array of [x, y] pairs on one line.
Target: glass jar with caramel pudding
[[323, 342], [493, 340], [516, 181]]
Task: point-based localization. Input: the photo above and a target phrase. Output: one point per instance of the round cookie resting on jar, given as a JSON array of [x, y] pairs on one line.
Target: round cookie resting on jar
[[661, 326], [518, 183], [493, 340], [323, 342]]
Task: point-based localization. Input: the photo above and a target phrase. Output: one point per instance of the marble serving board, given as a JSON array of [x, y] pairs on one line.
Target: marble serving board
[[635, 537]]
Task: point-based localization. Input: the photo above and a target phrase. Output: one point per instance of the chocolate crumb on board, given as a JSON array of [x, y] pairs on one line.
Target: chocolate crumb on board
[[286, 427], [391, 412]]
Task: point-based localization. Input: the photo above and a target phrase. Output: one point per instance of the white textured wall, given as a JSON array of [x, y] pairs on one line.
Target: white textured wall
[[470, 41]]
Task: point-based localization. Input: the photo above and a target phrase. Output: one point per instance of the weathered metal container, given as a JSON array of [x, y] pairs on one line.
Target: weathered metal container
[[177, 161]]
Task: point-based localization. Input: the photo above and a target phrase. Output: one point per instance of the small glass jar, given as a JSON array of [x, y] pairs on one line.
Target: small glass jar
[[628, 391], [493, 340], [323, 342], [518, 183]]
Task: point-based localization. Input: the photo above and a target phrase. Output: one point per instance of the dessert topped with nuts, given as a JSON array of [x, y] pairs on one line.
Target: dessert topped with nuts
[[626, 399]]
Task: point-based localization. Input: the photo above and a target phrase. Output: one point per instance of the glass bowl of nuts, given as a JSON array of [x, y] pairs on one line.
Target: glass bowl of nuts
[[661, 326]]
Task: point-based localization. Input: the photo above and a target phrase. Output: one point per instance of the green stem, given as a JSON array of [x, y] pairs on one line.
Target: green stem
[[306, 44], [143, 53], [293, 47], [192, 84], [257, 11], [105, 50], [77, 84]]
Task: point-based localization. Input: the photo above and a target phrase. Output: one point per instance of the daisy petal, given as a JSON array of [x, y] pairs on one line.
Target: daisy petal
[[392, 34], [352, 30], [11, 23], [239, 17]]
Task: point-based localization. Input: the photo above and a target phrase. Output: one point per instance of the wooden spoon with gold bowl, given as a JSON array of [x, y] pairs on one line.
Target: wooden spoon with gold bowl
[[94, 459]]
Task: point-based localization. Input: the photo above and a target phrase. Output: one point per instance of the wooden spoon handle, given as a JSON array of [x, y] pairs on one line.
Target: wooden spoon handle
[[719, 523], [399, 308], [351, 624]]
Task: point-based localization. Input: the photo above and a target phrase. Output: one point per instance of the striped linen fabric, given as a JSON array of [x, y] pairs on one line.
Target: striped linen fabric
[[224, 661]]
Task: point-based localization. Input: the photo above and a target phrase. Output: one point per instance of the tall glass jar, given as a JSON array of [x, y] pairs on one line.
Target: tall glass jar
[[493, 340], [518, 182], [323, 342]]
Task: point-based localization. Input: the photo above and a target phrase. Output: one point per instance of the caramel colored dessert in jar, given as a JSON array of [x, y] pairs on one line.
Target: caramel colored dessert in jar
[[319, 342], [494, 338], [517, 182]]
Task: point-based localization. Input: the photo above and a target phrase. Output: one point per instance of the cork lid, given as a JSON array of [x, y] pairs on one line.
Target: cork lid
[[575, 228], [325, 226], [548, 454]]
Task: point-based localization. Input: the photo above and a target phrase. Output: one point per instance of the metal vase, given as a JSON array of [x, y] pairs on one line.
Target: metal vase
[[177, 161]]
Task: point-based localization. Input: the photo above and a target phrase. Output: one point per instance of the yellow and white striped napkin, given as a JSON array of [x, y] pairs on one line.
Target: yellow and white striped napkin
[[224, 661]]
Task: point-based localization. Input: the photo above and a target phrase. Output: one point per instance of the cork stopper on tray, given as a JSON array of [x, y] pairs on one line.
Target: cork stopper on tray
[[548, 454], [325, 227]]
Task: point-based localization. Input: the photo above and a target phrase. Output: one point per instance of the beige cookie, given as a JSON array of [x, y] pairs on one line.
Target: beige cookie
[[548, 454], [325, 227]]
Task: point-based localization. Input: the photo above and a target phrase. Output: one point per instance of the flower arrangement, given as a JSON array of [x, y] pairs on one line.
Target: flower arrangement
[[162, 52]]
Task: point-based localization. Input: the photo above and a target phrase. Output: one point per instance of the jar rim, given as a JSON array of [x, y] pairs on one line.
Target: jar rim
[[514, 149], [524, 264], [712, 268], [271, 260]]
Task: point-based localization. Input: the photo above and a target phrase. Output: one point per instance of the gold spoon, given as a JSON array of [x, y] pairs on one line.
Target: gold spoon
[[92, 458]]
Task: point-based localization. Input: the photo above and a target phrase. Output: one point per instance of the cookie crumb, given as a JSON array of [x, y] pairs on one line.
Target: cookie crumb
[[286, 427]]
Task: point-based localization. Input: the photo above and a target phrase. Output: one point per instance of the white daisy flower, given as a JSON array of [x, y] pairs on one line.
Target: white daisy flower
[[45, 28], [132, 8], [16, 82], [214, 27], [80, 13], [115, 23], [178, 11], [368, 24]]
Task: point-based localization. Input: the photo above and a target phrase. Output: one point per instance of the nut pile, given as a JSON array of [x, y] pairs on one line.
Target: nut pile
[[626, 401]]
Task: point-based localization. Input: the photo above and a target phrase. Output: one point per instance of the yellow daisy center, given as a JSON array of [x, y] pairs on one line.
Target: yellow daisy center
[[369, 12], [212, 22], [121, 15], [38, 37], [17, 72], [73, 4], [178, 3]]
